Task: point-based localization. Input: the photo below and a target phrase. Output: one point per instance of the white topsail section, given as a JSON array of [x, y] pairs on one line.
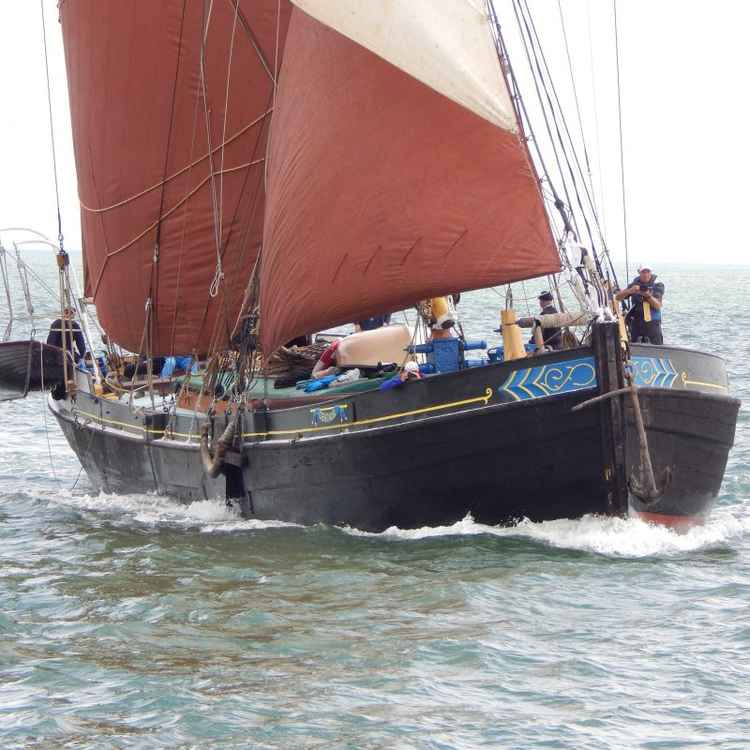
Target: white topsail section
[[445, 44]]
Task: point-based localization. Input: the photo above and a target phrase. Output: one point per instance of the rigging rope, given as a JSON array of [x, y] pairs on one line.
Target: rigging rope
[[578, 106], [224, 128], [597, 141], [171, 177], [576, 160], [44, 414], [538, 54], [219, 274], [566, 219], [522, 116], [622, 154], [51, 128], [6, 284]]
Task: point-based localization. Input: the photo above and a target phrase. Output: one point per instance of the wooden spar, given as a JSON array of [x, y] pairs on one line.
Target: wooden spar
[[647, 469], [557, 320], [610, 376]]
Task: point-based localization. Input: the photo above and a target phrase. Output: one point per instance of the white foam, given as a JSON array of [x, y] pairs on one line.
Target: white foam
[[157, 510], [620, 537]]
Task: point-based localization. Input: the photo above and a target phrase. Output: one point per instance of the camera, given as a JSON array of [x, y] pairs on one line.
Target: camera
[[643, 287]]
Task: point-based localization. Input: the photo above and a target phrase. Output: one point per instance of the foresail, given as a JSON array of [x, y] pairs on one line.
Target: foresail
[[171, 103], [382, 192], [447, 45]]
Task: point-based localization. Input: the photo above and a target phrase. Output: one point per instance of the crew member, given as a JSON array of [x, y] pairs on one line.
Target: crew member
[[410, 372], [644, 317], [327, 364], [55, 336], [552, 336], [370, 324]]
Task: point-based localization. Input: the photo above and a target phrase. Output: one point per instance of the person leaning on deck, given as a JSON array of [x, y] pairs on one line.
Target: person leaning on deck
[[644, 317], [410, 372], [327, 364], [55, 336]]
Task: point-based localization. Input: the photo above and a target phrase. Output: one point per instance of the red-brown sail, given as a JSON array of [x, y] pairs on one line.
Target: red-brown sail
[[170, 104], [382, 191]]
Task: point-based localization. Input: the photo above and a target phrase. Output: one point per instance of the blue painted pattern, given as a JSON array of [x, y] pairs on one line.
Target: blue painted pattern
[[655, 372], [551, 379], [330, 414]]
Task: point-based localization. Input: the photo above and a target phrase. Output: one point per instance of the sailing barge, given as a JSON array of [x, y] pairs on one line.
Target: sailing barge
[[397, 170], [501, 442]]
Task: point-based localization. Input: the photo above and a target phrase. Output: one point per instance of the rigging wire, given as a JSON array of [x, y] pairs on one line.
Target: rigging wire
[[51, 128], [543, 81], [538, 54], [622, 154], [524, 121], [6, 284], [219, 273], [224, 127], [44, 416], [537, 84], [578, 105], [597, 142]]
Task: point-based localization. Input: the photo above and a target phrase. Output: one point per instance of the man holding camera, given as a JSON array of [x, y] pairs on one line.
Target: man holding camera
[[644, 317]]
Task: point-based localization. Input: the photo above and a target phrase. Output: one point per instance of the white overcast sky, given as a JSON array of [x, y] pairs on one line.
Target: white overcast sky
[[684, 69]]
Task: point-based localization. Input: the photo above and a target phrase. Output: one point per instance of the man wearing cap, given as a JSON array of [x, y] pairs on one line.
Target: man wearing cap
[[552, 336], [644, 317]]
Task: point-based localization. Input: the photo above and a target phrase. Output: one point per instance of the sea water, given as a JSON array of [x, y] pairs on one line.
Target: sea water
[[138, 622]]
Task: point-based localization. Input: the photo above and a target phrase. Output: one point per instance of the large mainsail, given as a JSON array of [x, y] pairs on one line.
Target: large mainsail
[[396, 169], [171, 103]]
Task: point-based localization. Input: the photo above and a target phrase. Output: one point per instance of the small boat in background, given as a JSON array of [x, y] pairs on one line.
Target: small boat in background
[[29, 365]]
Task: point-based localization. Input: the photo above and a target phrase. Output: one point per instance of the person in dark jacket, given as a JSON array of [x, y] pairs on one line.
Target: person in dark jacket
[[73, 336], [644, 317], [370, 324], [552, 336]]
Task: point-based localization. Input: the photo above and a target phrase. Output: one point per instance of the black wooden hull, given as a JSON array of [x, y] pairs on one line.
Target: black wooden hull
[[689, 437], [500, 442], [499, 464], [27, 365]]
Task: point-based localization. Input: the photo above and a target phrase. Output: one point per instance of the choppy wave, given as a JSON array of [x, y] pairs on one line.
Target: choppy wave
[[617, 537], [624, 537], [150, 509]]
